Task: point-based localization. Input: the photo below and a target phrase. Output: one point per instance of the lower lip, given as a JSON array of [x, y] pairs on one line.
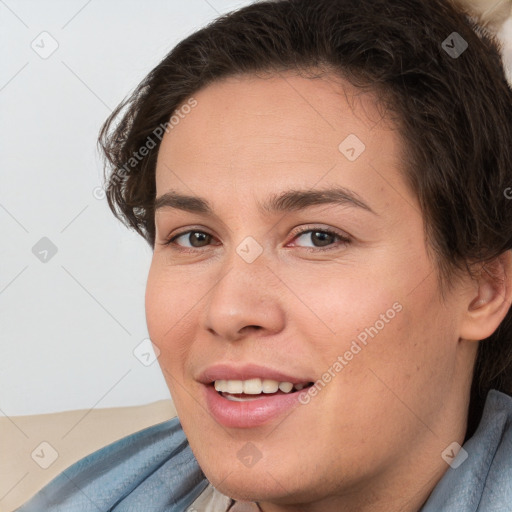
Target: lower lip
[[250, 413]]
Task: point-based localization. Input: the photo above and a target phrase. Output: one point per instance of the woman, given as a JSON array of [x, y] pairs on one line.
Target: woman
[[325, 186]]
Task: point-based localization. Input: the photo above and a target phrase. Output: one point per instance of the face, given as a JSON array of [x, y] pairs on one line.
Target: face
[[302, 260]]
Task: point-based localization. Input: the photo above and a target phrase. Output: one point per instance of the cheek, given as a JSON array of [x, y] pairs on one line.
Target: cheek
[[381, 322], [338, 306], [168, 317], [157, 304], [168, 304]]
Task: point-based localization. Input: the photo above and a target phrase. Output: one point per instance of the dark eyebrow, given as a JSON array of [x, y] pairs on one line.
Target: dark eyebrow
[[290, 200]]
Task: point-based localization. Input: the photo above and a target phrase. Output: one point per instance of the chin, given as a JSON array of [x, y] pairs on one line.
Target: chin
[[251, 486], [263, 482]]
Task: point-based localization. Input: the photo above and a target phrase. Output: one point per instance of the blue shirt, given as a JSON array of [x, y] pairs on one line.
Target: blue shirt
[[154, 470]]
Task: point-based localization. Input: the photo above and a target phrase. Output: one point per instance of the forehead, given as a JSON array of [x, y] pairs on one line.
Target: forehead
[[249, 133]]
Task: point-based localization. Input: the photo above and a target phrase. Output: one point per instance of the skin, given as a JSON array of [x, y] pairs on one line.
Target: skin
[[372, 438]]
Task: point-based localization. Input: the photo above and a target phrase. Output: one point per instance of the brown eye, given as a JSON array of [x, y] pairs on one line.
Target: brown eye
[[323, 238], [194, 238], [320, 238]]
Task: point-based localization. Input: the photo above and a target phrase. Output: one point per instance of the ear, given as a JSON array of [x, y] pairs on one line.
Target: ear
[[490, 299]]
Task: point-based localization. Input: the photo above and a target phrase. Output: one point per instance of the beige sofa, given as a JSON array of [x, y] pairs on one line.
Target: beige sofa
[[35, 449]]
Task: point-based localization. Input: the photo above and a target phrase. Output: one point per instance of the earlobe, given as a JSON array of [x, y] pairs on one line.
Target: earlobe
[[493, 298]]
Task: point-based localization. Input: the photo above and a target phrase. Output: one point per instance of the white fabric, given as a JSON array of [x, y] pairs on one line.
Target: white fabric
[[211, 500]]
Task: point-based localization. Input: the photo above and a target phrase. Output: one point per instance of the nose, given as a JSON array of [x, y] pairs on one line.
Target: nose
[[245, 301]]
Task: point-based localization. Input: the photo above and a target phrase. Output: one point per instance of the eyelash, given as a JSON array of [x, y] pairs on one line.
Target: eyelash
[[342, 238]]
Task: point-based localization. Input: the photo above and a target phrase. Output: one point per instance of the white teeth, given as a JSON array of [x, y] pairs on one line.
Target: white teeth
[[234, 398], [285, 387], [235, 386], [255, 386], [252, 386], [219, 385], [269, 386]]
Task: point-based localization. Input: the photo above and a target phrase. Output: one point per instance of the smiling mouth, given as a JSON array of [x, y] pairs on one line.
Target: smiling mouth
[[254, 389]]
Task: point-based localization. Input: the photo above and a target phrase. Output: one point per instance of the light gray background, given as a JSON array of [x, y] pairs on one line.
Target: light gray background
[[69, 326]]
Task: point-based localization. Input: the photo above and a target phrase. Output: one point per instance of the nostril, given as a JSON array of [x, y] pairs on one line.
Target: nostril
[[250, 327]]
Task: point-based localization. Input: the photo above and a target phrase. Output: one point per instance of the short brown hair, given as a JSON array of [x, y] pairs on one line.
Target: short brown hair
[[455, 113]]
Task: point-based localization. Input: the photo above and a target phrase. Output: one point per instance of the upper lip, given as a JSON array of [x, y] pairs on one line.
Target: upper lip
[[245, 372]]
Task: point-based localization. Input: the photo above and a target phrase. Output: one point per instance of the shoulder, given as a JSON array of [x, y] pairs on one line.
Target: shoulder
[[152, 469]]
